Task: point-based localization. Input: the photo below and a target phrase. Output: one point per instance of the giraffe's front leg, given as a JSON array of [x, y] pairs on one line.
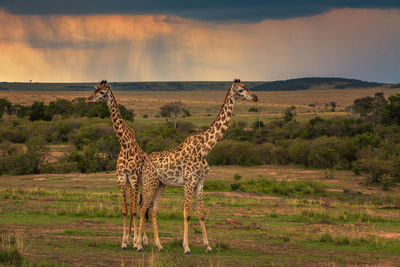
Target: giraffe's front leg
[[200, 212], [186, 217], [133, 189], [124, 211]]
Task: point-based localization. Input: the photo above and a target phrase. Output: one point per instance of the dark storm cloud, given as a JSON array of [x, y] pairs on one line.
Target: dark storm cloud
[[214, 10]]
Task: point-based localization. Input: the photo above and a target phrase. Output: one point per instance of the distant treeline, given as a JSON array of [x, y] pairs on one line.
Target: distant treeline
[[284, 85]]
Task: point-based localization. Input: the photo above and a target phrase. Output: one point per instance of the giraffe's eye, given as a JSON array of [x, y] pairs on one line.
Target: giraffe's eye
[[240, 90]]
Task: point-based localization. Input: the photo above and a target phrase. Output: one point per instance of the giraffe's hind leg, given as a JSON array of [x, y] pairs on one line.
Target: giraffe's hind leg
[[125, 237], [145, 239], [186, 217], [147, 196], [153, 208], [200, 212]]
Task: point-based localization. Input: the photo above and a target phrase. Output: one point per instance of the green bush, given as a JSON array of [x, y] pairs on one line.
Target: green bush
[[17, 161], [377, 169], [230, 152], [286, 188], [266, 153], [215, 186], [88, 160], [326, 152], [298, 151]]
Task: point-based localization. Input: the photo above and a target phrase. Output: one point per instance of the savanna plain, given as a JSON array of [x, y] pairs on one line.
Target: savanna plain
[[295, 216]]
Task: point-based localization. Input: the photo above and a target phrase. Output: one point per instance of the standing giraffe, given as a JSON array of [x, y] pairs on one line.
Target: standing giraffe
[[185, 165], [130, 160]]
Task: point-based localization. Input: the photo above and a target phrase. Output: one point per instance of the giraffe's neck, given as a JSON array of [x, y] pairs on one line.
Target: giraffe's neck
[[216, 131], [123, 132]]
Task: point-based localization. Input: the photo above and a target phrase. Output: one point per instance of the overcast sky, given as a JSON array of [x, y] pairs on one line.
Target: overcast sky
[[77, 41]]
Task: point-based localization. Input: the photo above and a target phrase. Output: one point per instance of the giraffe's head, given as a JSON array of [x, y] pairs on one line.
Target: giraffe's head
[[241, 91], [100, 94]]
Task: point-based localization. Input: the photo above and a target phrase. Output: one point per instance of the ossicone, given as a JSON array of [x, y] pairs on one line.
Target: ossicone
[[236, 81], [103, 81]]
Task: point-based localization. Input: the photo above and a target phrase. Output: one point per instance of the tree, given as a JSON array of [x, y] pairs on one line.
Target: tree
[[98, 109], [21, 111], [127, 114], [173, 109], [393, 109], [372, 108], [36, 152], [333, 105], [38, 109], [289, 114], [5, 106], [81, 108], [60, 107]]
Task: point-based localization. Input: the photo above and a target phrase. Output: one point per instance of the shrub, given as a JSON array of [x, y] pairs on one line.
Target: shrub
[[326, 152], [298, 151], [19, 162], [289, 114], [98, 109], [231, 152], [266, 152], [286, 188], [185, 128], [376, 168], [215, 186], [88, 134], [127, 114], [88, 161]]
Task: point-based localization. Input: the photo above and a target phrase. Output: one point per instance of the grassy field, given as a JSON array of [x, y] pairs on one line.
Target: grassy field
[[75, 220], [204, 105]]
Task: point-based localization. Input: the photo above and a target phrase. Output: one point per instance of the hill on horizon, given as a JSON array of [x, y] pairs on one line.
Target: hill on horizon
[[281, 85]]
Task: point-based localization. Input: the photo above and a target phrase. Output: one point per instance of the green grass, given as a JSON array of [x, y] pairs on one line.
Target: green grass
[[63, 226], [215, 186], [11, 248], [284, 188], [325, 216]]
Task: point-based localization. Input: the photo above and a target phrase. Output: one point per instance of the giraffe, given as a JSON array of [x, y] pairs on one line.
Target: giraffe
[[130, 159], [185, 165]]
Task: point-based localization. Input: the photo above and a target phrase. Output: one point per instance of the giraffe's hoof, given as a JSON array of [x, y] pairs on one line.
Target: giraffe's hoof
[[139, 250], [188, 252], [124, 247], [208, 250], [160, 249]]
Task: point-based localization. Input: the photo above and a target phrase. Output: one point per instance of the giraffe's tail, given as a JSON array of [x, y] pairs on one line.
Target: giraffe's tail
[[147, 210]]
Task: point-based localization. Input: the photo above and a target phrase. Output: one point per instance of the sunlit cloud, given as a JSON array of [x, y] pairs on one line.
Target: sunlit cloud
[[357, 43]]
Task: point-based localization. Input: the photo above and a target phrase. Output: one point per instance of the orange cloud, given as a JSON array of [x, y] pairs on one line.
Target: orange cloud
[[356, 43]]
